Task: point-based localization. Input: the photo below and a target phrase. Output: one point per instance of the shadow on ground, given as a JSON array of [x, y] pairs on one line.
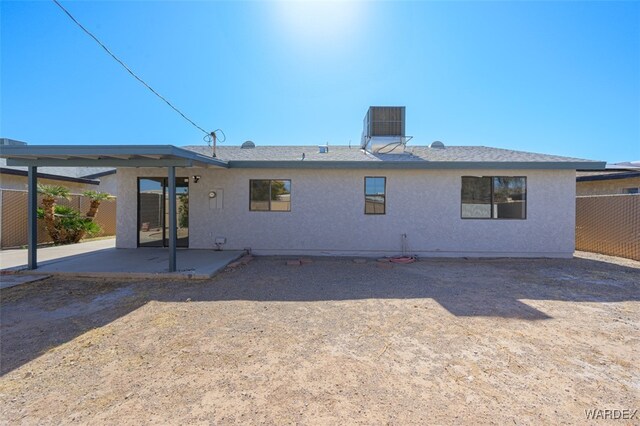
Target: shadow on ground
[[37, 317]]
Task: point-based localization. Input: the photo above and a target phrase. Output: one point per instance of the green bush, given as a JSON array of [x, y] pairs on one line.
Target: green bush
[[71, 225]]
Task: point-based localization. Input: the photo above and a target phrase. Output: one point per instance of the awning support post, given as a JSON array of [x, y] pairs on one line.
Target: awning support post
[[173, 231], [32, 217]]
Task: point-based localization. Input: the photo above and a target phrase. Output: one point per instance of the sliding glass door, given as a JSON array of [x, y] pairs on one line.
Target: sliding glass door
[[153, 212]]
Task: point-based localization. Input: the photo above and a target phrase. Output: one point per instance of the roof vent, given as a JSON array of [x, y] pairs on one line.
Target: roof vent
[[323, 149], [248, 145], [436, 145]]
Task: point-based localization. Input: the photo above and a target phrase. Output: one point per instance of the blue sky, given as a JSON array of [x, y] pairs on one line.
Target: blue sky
[[553, 77]]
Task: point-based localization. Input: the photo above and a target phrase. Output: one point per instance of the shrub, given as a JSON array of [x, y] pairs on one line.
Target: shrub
[[70, 226]]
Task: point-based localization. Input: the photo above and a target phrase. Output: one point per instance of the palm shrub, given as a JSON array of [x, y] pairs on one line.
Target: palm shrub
[[66, 225], [70, 225], [50, 194], [96, 198]]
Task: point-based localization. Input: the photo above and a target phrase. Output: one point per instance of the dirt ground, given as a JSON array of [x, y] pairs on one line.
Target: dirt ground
[[330, 342]]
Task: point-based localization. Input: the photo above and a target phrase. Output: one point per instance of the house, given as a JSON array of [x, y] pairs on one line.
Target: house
[[380, 198], [620, 178], [77, 179]]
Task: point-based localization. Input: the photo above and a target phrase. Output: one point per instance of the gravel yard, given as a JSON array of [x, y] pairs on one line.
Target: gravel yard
[[329, 342]]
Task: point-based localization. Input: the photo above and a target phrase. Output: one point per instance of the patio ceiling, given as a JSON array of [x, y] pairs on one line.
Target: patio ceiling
[[106, 156]]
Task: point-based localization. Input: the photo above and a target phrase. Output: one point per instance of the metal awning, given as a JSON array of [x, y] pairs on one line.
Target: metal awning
[[169, 156], [106, 156]]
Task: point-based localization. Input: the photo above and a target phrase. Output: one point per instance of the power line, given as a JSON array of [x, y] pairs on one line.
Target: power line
[[131, 72]]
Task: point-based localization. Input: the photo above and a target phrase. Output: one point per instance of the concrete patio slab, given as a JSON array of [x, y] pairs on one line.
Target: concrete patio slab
[[102, 259], [7, 281], [16, 259], [141, 263]]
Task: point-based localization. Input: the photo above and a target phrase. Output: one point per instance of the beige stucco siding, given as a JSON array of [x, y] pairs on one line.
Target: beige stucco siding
[[327, 214], [108, 184]]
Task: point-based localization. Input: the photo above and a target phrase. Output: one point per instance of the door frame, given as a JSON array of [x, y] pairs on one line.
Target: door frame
[[164, 182]]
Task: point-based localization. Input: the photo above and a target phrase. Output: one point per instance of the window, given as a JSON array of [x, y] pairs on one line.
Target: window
[[374, 195], [476, 197], [494, 197], [270, 195]]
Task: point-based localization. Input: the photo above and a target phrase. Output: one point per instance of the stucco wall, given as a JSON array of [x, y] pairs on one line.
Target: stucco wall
[[606, 187], [109, 184], [327, 214]]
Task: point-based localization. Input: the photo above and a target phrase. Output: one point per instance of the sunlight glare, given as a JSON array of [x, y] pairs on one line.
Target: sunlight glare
[[318, 24]]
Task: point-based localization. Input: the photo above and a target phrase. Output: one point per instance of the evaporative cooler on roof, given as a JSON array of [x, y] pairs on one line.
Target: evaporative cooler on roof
[[384, 129], [384, 121]]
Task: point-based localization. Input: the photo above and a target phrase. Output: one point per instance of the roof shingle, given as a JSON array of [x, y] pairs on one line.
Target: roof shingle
[[345, 153]]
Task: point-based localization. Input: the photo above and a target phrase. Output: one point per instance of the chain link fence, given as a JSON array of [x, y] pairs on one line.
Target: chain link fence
[[13, 217], [609, 224]]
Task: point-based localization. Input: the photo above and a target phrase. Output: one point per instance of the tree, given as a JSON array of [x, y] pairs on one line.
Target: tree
[[96, 198]]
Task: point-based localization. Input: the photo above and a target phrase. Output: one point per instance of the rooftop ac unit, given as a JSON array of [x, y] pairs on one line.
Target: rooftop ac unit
[[384, 130]]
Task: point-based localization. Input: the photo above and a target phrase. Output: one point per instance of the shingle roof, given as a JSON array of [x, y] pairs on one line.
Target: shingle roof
[[418, 157], [71, 172], [583, 176], [355, 154]]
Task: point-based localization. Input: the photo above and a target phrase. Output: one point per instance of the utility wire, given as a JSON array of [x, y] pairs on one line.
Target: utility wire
[[129, 70]]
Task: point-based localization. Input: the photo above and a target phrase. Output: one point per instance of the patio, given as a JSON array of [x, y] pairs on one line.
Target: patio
[[102, 259], [157, 156]]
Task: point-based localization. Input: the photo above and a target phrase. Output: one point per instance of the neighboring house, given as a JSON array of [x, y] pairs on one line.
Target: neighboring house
[[620, 178], [377, 199], [14, 200], [77, 179]]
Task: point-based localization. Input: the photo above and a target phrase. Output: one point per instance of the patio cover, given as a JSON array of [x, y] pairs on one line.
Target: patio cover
[[34, 156]]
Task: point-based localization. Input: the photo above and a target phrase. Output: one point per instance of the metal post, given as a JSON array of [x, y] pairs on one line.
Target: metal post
[[32, 217], [173, 225]]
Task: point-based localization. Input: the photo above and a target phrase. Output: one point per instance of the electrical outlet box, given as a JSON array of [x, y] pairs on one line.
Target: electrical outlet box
[[216, 197]]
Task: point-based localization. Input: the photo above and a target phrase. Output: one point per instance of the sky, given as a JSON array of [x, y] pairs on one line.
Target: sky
[[553, 77]]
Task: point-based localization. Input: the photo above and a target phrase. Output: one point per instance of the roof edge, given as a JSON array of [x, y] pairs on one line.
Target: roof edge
[[418, 165], [16, 172], [611, 176], [101, 174]]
